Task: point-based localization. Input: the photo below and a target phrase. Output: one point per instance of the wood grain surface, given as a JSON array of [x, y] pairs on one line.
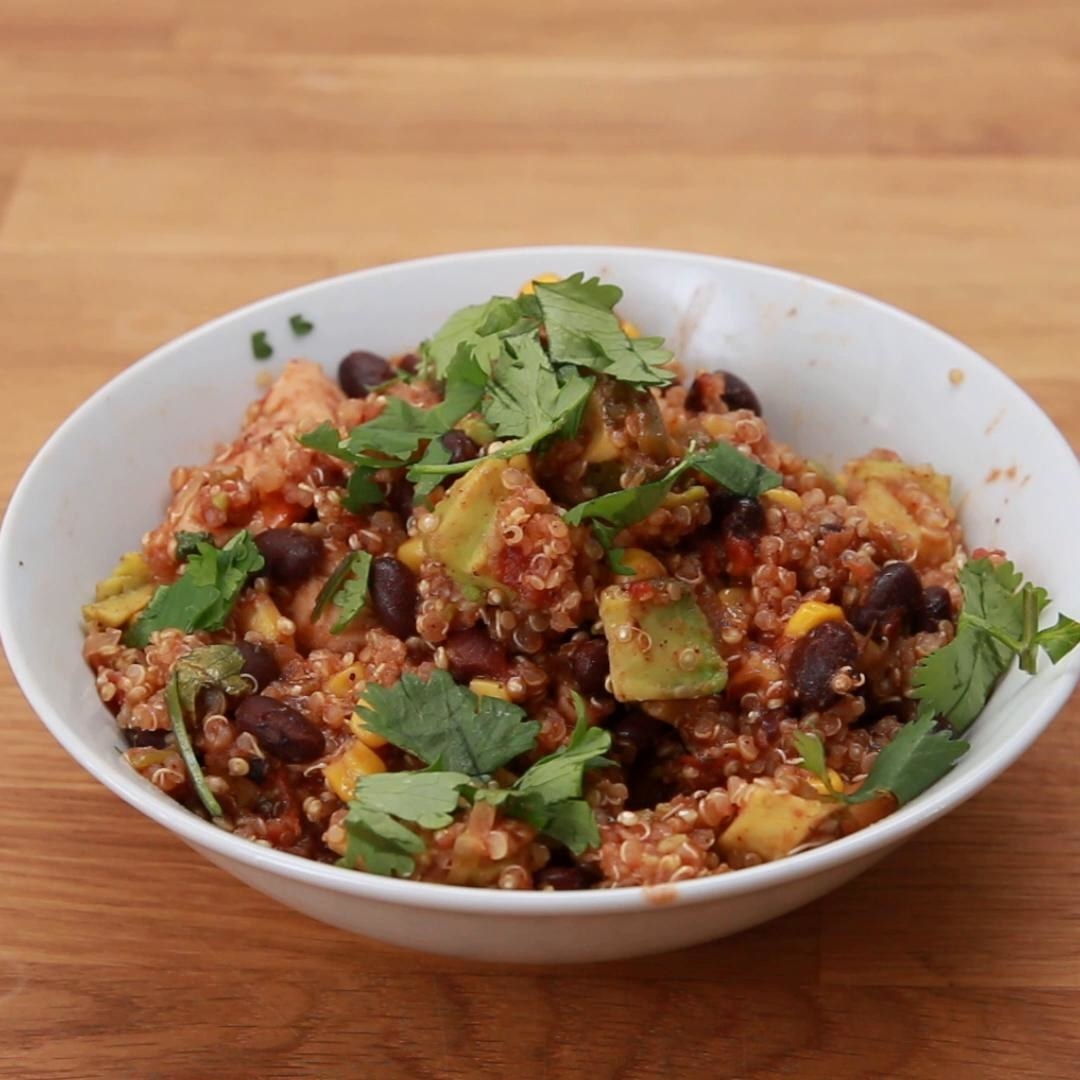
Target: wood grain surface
[[164, 161]]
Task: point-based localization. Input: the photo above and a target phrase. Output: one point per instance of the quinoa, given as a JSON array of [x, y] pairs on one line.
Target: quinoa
[[682, 770]]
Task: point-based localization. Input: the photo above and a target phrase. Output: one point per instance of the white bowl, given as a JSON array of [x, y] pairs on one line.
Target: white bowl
[[838, 373]]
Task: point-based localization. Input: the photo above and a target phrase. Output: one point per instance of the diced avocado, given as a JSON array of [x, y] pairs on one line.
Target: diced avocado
[[120, 608], [660, 645], [606, 413], [771, 824], [131, 572], [876, 486], [466, 538]]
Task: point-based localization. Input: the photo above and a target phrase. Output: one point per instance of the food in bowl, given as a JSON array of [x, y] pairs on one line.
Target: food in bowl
[[525, 610]]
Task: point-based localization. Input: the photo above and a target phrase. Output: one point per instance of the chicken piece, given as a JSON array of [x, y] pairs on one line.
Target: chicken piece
[[254, 481]]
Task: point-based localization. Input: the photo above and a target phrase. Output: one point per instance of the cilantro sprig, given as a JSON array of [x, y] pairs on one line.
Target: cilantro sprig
[[611, 513], [919, 756], [464, 739], [212, 667], [202, 598], [999, 622]]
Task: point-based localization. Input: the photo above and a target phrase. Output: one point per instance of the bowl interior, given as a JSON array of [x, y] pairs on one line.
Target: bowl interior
[[838, 374]]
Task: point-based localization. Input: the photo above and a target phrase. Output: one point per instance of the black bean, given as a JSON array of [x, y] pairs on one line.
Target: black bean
[[157, 738], [895, 597], [280, 729], [472, 654], [632, 736], [818, 658], [291, 556], [257, 770], [738, 395], [743, 518], [409, 363], [937, 606], [260, 663], [560, 878], [590, 665], [360, 372], [461, 447], [393, 595], [400, 496]]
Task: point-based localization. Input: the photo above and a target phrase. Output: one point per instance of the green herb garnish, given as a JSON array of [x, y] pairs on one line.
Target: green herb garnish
[[300, 326], [610, 514], [347, 589], [213, 667], [202, 598], [443, 723], [548, 795], [999, 622], [919, 756], [187, 543], [261, 349]]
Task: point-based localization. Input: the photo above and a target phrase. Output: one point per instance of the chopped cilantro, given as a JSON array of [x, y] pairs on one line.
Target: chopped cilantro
[[615, 511], [446, 725], [346, 588], [300, 326], [187, 543], [213, 667], [478, 326], [918, 757], [999, 621], [261, 349], [203, 596], [583, 329], [548, 795]]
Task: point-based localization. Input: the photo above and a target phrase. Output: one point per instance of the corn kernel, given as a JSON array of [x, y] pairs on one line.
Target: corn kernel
[[718, 425], [411, 553], [811, 614], [489, 688], [346, 681], [785, 498], [364, 733], [693, 494], [544, 279], [629, 328], [836, 783], [260, 615], [131, 572], [643, 566], [345, 770]]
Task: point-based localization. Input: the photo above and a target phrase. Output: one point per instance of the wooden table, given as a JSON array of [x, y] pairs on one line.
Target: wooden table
[[164, 161]]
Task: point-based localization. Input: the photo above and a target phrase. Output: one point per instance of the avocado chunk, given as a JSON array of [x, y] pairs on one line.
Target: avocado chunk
[[878, 486], [466, 538], [771, 824], [660, 645]]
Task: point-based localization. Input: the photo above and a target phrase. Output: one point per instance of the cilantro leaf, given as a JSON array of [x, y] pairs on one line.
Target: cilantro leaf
[[446, 725], [385, 845], [202, 598], [213, 667], [615, 511], [549, 794], [917, 758], [1060, 639], [478, 326], [353, 570], [261, 349], [425, 797], [999, 621], [352, 597], [187, 543], [583, 329], [300, 326], [362, 490]]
